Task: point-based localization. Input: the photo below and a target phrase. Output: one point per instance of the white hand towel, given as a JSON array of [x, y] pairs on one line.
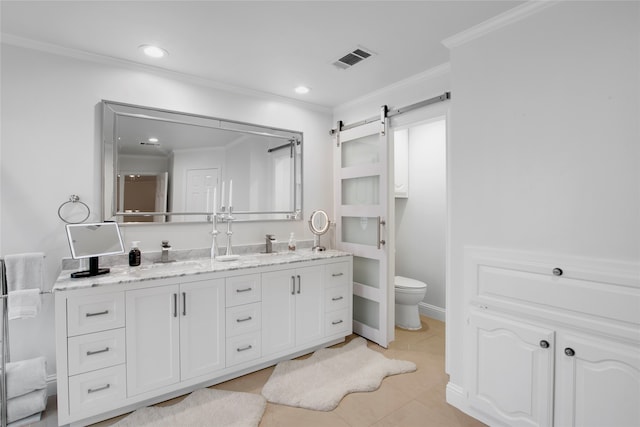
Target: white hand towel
[[25, 376], [24, 304], [27, 404], [24, 271]]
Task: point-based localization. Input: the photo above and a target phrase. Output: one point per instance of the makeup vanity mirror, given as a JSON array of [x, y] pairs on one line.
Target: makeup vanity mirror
[[166, 166], [319, 224]]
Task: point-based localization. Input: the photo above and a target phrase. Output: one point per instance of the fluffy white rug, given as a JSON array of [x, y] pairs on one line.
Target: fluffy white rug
[[322, 380], [205, 407]]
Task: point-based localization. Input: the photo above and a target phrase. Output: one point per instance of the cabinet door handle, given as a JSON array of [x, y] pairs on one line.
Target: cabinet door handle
[[91, 353], [246, 319], [557, 271], [249, 347], [298, 283], [100, 313], [544, 344], [175, 305], [184, 303], [293, 285], [336, 298], [336, 322], [93, 390], [569, 352], [244, 290], [337, 274]]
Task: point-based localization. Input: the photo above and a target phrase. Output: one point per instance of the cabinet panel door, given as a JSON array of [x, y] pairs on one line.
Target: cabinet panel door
[[511, 374], [599, 385], [202, 328], [152, 338], [309, 304], [278, 311]]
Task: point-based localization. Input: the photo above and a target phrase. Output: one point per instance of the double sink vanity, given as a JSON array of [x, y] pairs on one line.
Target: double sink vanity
[[141, 335]]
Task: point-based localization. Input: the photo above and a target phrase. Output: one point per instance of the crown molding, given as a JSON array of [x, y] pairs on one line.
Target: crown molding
[[58, 50], [431, 73], [511, 16]]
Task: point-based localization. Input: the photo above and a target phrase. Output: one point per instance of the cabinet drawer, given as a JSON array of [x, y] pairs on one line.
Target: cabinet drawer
[[243, 319], [96, 351], [336, 274], [337, 322], [336, 298], [97, 389], [243, 348], [94, 313], [243, 290]]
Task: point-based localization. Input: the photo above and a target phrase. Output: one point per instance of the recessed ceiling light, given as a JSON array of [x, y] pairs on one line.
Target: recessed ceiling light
[[153, 51], [153, 139], [302, 90]]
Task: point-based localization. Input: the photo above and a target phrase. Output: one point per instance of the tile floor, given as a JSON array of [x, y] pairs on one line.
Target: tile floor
[[408, 400]]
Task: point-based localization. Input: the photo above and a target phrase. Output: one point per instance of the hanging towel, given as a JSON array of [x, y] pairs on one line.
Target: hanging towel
[[24, 271], [24, 304], [26, 405], [26, 376]]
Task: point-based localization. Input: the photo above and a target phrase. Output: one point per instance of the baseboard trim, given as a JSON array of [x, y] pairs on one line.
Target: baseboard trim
[[52, 385], [432, 311]]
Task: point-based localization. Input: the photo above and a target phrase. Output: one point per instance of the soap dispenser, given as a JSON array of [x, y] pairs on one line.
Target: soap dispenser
[[134, 254], [292, 242]]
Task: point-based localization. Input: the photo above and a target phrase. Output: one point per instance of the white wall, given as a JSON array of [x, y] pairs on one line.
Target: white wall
[[545, 142], [50, 145], [421, 218]]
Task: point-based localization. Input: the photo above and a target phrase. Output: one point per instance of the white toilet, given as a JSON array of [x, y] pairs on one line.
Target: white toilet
[[409, 293]]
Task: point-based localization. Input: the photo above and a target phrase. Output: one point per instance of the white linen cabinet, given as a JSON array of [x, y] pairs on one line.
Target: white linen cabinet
[[552, 342], [174, 333]]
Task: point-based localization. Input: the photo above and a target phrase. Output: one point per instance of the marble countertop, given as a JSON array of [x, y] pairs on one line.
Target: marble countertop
[[122, 274]]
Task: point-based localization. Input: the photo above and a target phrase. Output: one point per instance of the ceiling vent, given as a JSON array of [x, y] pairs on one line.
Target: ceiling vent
[[352, 58]]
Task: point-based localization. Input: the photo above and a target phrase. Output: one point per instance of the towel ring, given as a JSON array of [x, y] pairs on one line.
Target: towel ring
[[74, 199]]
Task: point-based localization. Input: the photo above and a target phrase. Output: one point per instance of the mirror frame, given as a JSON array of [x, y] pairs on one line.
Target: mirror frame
[[112, 109]]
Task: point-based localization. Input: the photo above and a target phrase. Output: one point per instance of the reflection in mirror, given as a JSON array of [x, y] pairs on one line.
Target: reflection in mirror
[[166, 166]]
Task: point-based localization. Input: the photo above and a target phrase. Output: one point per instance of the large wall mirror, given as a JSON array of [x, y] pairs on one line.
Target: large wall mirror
[[167, 166]]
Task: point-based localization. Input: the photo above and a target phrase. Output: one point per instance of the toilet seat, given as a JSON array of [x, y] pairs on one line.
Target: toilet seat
[[407, 283]]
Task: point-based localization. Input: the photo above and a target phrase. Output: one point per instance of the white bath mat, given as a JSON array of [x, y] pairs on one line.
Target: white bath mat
[[322, 380], [205, 407]]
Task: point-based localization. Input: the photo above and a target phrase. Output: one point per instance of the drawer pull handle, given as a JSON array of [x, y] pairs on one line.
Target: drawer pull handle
[[244, 290], [336, 298], [91, 353], [100, 313], [245, 319], [336, 322], [249, 347], [337, 274], [557, 271], [94, 390]]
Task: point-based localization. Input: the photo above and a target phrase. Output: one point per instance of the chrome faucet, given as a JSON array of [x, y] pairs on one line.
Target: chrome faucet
[[165, 251], [270, 238]]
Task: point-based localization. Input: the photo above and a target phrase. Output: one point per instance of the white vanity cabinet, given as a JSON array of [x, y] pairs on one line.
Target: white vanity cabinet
[[552, 344], [292, 308], [138, 337], [174, 333]]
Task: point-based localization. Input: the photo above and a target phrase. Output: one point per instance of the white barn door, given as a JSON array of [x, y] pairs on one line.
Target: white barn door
[[364, 221]]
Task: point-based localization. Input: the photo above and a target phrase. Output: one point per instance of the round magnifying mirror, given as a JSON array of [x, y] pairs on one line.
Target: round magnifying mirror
[[319, 224]]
